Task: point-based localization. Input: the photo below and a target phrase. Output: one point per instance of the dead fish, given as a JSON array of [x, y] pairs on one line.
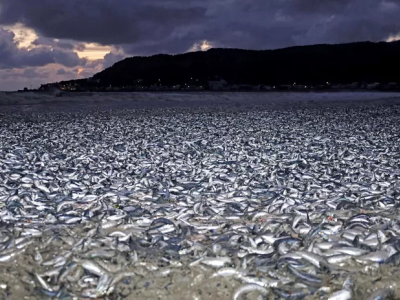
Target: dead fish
[[282, 201]]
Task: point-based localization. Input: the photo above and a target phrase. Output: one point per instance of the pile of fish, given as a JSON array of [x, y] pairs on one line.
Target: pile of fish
[[292, 203]]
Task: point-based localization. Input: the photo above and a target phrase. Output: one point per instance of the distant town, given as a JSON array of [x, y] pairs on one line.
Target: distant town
[[94, 85]]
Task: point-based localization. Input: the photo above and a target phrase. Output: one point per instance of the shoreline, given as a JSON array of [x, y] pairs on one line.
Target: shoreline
[[227, 100]]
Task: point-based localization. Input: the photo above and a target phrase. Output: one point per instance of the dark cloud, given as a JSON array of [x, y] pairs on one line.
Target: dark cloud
[[33, 73], [13, 57], [111, 58], [61, 71], [319, 7], [66, 73], [54, 43], [145, 27], [101, 21]]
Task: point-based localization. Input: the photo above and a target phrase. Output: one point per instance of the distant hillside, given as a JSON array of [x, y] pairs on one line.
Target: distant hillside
[[306, 65], [344, 63]]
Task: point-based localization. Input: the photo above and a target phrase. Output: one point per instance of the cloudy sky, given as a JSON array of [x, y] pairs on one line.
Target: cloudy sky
[[52, 40]]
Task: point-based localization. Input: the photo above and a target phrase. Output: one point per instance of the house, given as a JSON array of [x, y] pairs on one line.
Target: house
[[266, 87], [217, 84], [285, 86], [248, 87], [372, 86], [390, 86], [93, 80], [355, 85], [52, 89], [154, 87], [176, 87]]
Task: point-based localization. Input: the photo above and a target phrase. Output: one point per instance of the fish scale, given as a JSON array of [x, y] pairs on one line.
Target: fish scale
[[284, 202]]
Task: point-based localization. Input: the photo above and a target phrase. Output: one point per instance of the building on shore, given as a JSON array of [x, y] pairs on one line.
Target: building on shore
[[217, 85]]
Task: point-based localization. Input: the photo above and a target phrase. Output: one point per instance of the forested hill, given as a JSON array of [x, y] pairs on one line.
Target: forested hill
[[341, 63]]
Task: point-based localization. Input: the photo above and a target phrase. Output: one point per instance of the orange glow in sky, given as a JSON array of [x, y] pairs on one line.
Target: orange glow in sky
[[24, 36], [203, 46], [393, 38], [94, 51]]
